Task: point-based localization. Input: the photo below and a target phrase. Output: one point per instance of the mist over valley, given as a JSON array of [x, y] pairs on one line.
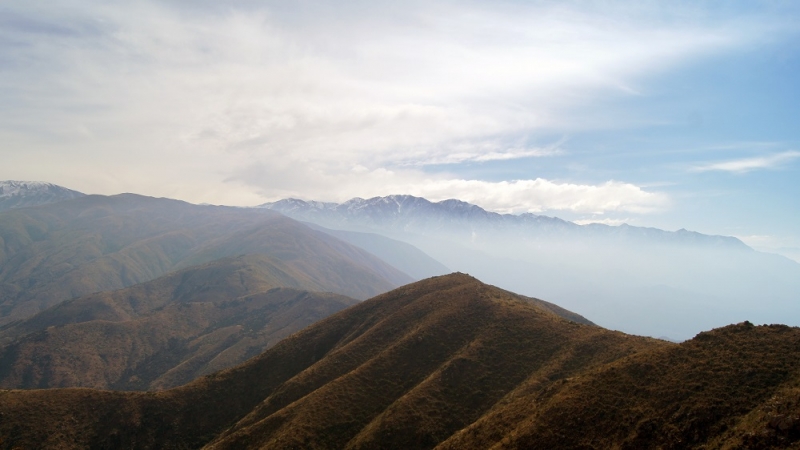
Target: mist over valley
[[399, 225]]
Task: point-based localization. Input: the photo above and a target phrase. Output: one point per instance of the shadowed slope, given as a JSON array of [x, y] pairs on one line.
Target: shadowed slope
[[166, 332], [70, 249]]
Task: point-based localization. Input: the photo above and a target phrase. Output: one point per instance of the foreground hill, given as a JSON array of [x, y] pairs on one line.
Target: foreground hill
[[166, 332], [451, 338], [69, 249], [449, 363], [22, 194]]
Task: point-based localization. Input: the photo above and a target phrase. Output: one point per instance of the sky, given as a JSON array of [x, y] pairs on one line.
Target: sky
[[663, 114]]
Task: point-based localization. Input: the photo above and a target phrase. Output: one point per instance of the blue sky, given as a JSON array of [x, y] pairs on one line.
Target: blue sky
[[672, 115]]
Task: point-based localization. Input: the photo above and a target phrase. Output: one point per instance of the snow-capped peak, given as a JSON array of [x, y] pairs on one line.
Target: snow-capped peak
[[18, 194]]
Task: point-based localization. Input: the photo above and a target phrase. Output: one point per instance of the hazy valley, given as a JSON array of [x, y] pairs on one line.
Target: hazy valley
[[638, 280]]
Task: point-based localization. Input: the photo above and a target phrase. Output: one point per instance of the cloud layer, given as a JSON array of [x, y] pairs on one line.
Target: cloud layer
[[744, 165], [248, 103]]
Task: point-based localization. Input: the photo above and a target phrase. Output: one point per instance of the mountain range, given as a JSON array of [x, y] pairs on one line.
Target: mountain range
[[635, 279], [458, 220], [69, 249], [244, 328], [166, 332], [449, 363]]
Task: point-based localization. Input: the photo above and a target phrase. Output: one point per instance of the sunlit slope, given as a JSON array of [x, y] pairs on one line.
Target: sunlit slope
[[165, 332], [450, 363], [410, 367], [70, 249], [732, 387]]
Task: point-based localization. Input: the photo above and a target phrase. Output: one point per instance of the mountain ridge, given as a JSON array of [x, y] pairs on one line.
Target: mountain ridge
[[414, 208], [22, 194], [95, 243], [450, 363], [620, 276], [165, 332], [415, 330]]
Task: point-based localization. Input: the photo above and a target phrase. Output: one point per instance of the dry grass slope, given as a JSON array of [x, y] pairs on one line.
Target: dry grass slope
[[166, 332], [452, 363]]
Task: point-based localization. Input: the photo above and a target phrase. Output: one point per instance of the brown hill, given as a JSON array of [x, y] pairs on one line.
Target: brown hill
[[733, 387], [165, 332], [70, 249], [449, 363], [407, 368]]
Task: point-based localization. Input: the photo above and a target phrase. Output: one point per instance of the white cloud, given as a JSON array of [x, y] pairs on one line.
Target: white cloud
[[517, 196], [210, 102], [541, 195], [604, 221], [749, 164]]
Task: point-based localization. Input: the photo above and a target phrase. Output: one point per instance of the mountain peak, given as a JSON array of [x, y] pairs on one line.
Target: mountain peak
[[407, 213], [21, 194]]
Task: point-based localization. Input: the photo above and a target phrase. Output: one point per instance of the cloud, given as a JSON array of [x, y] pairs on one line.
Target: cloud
[[195, 100], [606, 221], [516, 196], [541, 195], [749, 164], [481, 151]]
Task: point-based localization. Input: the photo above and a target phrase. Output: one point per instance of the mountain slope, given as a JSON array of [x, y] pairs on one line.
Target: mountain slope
[[449, 337], [74, 248], [21, 194], [399, 254], [166, 332], [733, 387], [450, 363], [639, 280]]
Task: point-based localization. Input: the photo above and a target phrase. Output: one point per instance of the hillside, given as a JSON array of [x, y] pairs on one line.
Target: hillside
[[450, 336], [166, 332], [70, 249], [451, 363], [401, 255], [733, 387]]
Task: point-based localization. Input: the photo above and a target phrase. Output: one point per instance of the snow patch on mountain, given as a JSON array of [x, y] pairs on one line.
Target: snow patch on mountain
[[20, 194], [406, 213]]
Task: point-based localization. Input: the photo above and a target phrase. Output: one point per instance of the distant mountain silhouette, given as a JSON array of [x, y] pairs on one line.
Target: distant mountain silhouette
[[401, 255], [166, 332], [450, 363], [636, 279], [69, 249], [455, 220], [21, 194]]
